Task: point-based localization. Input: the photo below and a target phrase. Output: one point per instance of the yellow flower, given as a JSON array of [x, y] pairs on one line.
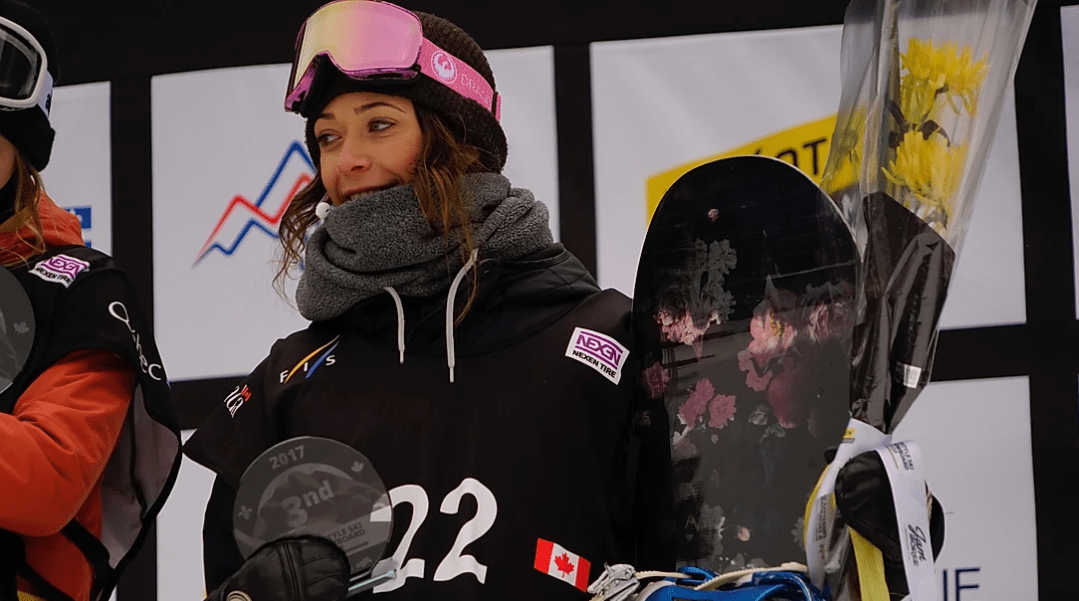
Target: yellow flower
[[916, 100], [942, 69], [922, 62], [930, 169], [966, 77]]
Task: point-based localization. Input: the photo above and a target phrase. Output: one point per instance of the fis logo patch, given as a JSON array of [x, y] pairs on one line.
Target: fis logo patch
[[313, 361], [60, 269], [598, 351]]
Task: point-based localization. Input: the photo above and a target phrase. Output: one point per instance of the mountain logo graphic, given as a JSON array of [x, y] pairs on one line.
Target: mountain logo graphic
[[294, 171]]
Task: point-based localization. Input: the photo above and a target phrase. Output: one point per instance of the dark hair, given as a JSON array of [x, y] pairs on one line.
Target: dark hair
[[28, 190], [444, 201]]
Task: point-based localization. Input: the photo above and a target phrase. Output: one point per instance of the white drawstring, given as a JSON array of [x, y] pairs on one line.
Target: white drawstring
[[451, 359], [400, 321]]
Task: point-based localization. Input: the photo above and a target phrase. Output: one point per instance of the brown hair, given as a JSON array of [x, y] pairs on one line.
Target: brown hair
[[27, 192], [443, 200]]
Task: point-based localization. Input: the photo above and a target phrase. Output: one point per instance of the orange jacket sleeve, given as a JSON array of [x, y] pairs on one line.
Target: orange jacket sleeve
[[56, 443]]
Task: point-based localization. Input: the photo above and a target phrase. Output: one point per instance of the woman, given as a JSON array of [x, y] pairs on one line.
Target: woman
[[90, 391], [452, 342]]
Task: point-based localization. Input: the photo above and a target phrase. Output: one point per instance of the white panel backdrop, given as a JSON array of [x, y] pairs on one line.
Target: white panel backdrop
[[975, 438], [79, 174], [221, 143], [1069, 22], [525, 78], [665, 102], [221, 138]]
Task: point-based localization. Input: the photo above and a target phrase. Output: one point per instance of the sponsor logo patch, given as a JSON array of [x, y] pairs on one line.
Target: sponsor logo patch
[[60, 269], [236, 399], [119, 311], [598, 351]]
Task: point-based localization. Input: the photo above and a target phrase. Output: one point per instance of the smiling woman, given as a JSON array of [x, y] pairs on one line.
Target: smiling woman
[[368, 142], [522, 398]]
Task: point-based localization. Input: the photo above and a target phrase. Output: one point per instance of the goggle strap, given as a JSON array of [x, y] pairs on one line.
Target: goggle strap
[[459, 76], [44, 98]]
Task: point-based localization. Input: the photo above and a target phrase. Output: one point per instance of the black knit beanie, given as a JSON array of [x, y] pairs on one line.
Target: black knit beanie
[[470, 122], [29, 129]]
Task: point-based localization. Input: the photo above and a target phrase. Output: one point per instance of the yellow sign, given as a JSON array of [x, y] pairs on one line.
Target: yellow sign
[[805, 146]]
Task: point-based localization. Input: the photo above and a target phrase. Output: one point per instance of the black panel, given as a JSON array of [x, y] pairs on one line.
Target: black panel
[[132, 233], [576, 168], [1050, 298], [111, 40]]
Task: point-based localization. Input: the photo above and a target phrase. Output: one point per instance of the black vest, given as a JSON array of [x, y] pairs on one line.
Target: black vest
[[82, 300]]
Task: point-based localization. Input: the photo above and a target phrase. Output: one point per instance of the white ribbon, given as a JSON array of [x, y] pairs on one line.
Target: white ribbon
[[903, 461]]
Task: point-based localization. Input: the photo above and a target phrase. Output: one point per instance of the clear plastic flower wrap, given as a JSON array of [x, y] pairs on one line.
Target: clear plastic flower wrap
[[923, 86]]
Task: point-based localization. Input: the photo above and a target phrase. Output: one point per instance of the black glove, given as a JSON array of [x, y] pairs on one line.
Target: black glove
[[863, 497], [304, 568]]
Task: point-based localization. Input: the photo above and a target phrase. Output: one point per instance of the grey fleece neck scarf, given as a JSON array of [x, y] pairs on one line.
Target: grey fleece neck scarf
[[383, 241]]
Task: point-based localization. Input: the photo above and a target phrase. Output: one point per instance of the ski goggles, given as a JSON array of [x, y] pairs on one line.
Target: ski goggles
[[369, 40], [25, 80]]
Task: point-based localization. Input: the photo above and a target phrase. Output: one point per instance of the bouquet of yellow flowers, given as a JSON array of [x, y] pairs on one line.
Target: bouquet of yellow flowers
[[924, 82]]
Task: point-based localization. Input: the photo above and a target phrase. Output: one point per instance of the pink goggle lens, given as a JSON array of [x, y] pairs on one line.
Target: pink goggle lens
[[367, 39], [360, 37]]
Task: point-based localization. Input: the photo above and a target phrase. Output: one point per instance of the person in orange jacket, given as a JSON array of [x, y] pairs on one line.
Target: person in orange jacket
[[89, 441]]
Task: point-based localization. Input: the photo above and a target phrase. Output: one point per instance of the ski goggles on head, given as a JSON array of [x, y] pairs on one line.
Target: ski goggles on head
[[369, 40], [25, 80]]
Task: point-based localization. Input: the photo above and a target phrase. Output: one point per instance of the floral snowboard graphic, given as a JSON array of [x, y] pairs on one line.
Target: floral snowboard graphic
[[743, 311]]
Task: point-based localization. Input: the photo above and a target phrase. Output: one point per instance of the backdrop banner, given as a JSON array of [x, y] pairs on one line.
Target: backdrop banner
[[79, 175]]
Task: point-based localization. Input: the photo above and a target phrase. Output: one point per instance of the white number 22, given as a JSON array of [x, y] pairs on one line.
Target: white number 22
[[456, 562]]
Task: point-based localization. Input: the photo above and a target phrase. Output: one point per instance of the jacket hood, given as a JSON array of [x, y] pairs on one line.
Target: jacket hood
[[514, 300]]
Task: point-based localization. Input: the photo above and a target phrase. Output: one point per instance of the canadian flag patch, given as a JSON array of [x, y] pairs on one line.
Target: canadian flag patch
[[554, 560]]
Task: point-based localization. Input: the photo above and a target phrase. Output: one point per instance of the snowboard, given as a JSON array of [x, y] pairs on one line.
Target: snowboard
[[743, 311]]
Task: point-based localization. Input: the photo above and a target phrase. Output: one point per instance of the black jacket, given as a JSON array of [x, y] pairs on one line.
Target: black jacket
[[534, 442]]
